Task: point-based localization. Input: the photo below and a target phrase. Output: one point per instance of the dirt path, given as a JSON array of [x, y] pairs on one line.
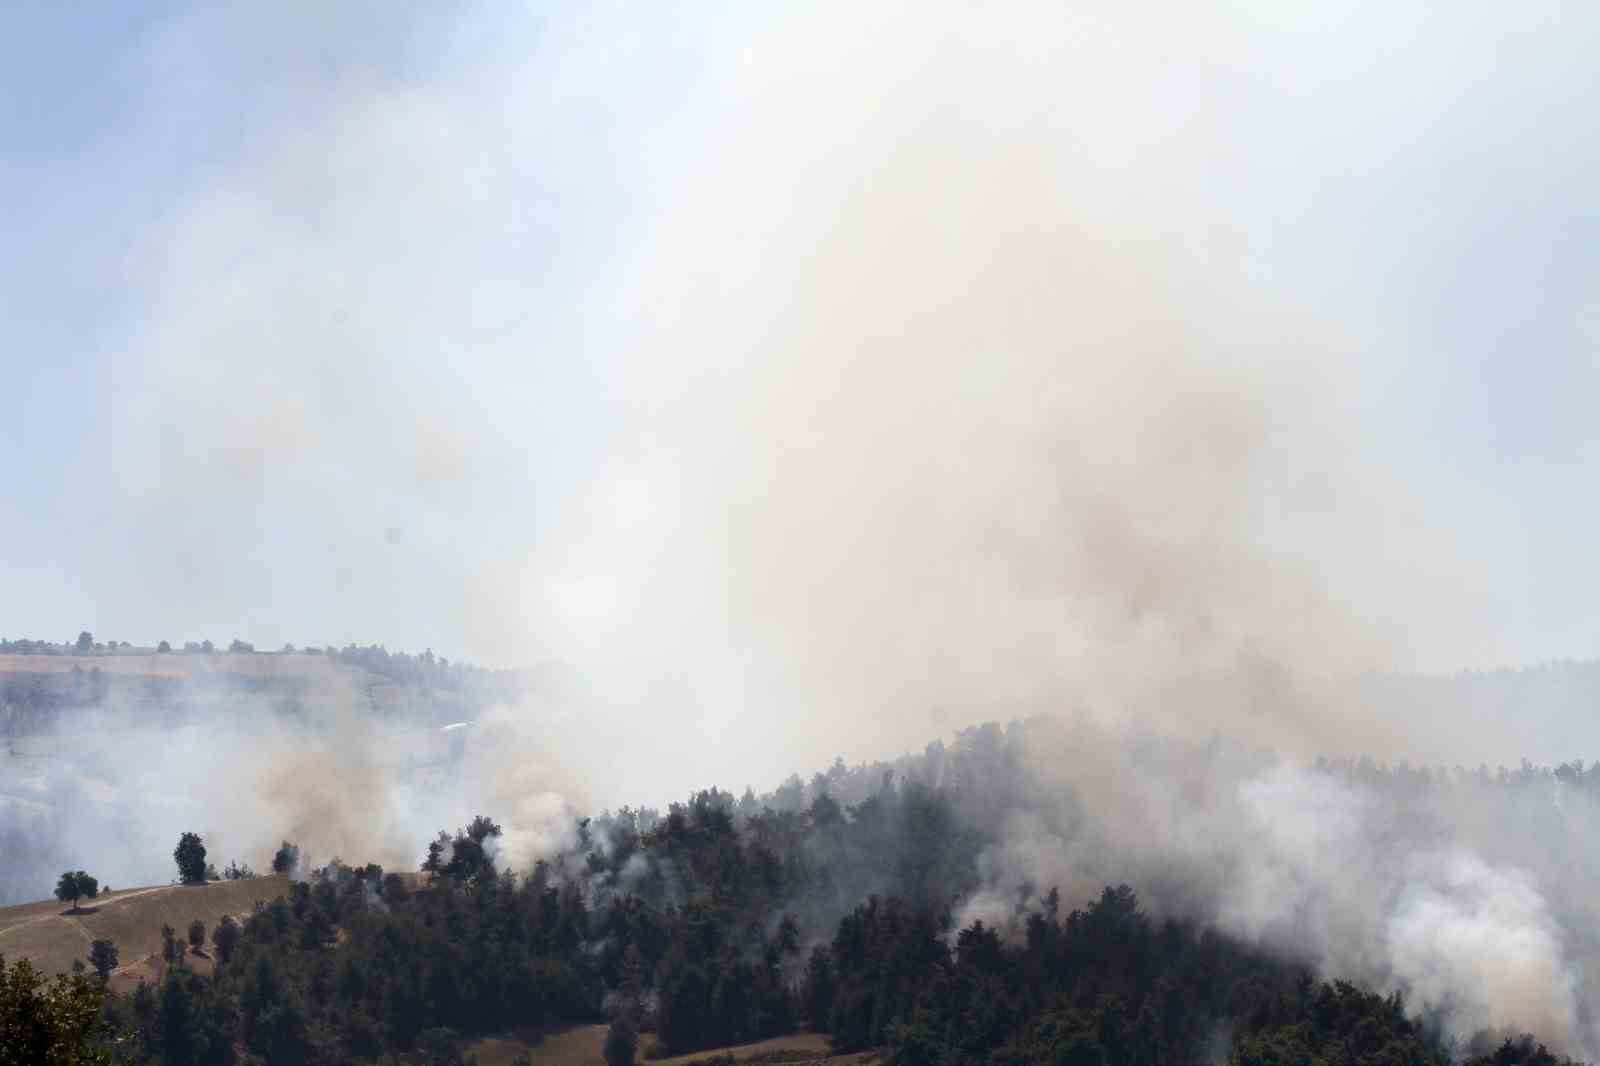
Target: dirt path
[[66, 915]]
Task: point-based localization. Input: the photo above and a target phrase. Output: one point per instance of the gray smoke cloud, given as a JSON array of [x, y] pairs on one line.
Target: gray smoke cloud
[[112, 786], [882, 371], [913, 377], [1466, 894]]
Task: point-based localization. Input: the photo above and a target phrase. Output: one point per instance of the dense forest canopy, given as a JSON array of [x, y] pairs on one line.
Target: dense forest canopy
[[967, 904]]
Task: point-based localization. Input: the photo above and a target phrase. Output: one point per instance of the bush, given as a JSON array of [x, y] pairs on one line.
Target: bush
[[622, 1042]]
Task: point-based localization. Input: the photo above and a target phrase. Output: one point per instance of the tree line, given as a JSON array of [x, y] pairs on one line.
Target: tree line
[[829, 907]]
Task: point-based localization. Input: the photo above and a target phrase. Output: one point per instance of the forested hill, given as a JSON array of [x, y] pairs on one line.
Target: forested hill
[[872, 907], [42, 684]]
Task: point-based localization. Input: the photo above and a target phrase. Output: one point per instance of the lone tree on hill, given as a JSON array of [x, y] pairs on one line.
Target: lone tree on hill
[[287, 858], [75, 885], [190, 856], [103, 957], [85, 642], [163, 647]]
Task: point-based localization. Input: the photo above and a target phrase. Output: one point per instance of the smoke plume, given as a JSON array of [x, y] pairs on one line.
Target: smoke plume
[[812, 383]]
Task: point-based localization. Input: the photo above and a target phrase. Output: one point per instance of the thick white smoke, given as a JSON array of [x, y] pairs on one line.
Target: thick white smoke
[[1464, 894]]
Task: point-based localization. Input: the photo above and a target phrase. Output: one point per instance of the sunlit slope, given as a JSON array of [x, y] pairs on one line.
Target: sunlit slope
[[584, 1045], [50, 936]]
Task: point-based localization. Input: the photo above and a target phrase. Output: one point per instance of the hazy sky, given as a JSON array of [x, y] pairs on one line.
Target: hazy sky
[[331, 322]]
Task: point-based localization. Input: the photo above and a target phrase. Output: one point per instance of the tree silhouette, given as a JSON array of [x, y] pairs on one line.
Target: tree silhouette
[[225, 937], [287, 858], [190, 855], [75, 885], [103, 957]]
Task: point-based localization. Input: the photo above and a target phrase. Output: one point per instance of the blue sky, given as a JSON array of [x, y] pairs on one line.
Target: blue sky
[[332, 322]]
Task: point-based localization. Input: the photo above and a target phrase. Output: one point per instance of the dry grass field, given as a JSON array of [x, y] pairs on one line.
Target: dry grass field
[[585, 1046], [50, 936]]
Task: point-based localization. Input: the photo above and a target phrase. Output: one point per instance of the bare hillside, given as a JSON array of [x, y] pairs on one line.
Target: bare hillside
[[50, 936]]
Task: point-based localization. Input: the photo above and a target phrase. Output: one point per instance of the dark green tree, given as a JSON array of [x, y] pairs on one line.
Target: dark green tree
[[175, 1022], [190, 855], [286, 858], [171, 947], [103, 957], [225, 937], [75, 885], [55, 1023]]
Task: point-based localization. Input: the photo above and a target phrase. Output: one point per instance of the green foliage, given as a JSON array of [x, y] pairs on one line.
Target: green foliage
[[726, 922], [225, 937], [50, 1023], [103, 957], [190, 855], [75, 885], [171, 947]]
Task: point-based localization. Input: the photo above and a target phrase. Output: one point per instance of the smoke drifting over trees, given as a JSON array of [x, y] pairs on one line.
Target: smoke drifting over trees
[[893, 372]]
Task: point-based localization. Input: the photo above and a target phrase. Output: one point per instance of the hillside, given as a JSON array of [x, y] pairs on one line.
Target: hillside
[[50, 937], [584, 1045], [143, 663], [39, 689]]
